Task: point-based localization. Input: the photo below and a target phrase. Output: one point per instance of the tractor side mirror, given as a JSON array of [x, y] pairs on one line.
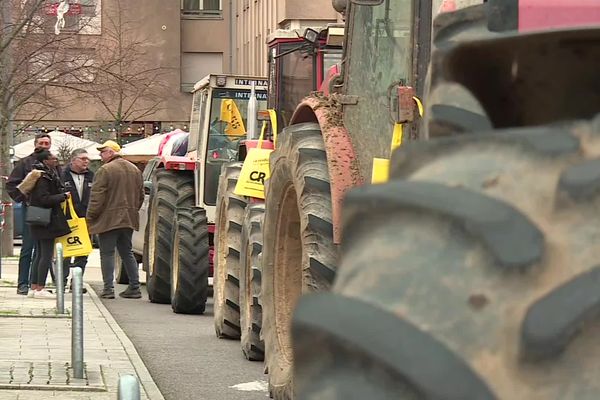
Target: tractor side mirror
[[310, 35]]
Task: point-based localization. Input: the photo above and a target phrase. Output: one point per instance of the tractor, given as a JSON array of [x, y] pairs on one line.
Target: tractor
[[472, 273], [298, 65], [179, 233], [270, 253]]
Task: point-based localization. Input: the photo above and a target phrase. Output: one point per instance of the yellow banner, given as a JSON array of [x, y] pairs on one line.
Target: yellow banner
[[78, 242], [231, 114], [273, 117], [254, 173]]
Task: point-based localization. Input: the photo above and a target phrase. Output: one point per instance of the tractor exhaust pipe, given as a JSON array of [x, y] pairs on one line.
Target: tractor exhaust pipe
[[252, 110]]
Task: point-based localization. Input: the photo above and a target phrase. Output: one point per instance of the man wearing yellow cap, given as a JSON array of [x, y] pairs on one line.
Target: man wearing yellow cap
[[116, 197]]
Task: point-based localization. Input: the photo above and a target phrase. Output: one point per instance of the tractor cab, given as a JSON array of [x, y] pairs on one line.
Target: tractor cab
[[220, 123], [299, 62]]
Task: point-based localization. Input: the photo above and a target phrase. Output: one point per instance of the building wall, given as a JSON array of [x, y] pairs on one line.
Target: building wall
[[254, 20], [186, 47]]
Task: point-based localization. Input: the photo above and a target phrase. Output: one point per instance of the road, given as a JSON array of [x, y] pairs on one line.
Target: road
[[182, 353]]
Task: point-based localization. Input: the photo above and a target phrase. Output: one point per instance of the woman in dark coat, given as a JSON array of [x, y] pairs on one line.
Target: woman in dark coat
[[48, 192]]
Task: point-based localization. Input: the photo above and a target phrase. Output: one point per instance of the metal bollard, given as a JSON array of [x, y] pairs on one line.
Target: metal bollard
[[77, 324], [129, 388], [60, 284]]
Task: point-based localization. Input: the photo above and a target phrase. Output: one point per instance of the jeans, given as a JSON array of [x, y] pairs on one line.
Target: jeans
[[26, 254], [42, 261], [121, 239]]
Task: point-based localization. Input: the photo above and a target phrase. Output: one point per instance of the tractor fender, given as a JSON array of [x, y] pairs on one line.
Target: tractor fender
[[342, 163], [177, 163]]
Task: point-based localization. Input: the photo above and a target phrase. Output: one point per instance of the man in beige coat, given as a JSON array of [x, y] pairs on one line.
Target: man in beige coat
[[116, 197]]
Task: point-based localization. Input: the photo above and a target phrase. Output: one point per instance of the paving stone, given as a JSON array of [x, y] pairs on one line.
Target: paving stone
[[8, 395], [35, 352]]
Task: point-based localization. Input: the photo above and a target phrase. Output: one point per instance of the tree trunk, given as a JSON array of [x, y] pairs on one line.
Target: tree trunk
[[5, 168], [6, 132]]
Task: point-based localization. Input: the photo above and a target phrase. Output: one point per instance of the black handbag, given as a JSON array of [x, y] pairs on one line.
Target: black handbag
[[38, 216]]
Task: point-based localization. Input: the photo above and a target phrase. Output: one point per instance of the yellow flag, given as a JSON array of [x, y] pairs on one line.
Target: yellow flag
[[397, 136], [231, 114], [254, 173], [381, 170]]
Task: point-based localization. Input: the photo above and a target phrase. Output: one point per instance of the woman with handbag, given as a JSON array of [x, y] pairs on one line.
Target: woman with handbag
[[48, 221]]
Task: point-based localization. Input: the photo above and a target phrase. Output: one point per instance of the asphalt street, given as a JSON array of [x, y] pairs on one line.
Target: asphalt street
[[182, 353]]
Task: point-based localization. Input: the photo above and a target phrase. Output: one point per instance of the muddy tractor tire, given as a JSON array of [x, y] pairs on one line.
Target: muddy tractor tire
[[228, 241], [301, 256], [473, 274], [170, 189], [250, 283], [189, 262], [451, 108], [121, 276]]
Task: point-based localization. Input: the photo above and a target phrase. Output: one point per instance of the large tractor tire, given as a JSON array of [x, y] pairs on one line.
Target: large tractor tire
[[250, 283], [300, 256], [228, 240], [473, 275], [189, 262], [170, 189]]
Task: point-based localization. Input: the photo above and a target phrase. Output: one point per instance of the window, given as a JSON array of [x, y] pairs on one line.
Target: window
[[195, 66], [201, 8], [381, 54], [84, 16], [221, 147], [197, 118]]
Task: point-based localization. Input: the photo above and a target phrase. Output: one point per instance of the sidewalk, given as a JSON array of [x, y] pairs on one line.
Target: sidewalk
[[35, 346]]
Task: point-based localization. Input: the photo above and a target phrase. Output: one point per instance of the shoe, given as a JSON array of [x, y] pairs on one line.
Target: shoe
[[30, 294], [131, 294], [43, 294], [107, 294], [22, 290]]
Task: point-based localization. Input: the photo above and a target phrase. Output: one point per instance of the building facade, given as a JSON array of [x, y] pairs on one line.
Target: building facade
[[183, 39], [254, 20]]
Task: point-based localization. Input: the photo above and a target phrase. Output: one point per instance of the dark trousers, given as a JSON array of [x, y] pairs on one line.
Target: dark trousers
[[26, 254], [121, 240], [42, 261], [80, 262]]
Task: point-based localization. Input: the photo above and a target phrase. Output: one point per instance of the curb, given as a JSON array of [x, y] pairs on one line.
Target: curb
[[144, 377]]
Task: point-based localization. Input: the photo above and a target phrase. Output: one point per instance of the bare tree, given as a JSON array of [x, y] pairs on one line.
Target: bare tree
[[129, 86], [40, 71], [64, 150]]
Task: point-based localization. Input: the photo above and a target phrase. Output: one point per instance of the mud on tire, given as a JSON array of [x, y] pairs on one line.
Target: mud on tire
[[301, 257], [482, 278], [170, 189], [189, 264], [250, 283], [228, 236]]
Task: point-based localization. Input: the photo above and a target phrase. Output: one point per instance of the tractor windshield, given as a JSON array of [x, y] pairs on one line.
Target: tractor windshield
[[381, 57], [227, 126]]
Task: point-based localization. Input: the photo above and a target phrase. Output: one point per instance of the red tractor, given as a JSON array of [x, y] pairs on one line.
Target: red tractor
[[268, 255], [181, 213], [298, 65], [473, 273]]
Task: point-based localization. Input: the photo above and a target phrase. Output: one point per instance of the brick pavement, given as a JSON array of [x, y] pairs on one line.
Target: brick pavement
[[35, 347]]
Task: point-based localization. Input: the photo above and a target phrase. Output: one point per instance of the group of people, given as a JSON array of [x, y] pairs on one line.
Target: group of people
[[109, 201]]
